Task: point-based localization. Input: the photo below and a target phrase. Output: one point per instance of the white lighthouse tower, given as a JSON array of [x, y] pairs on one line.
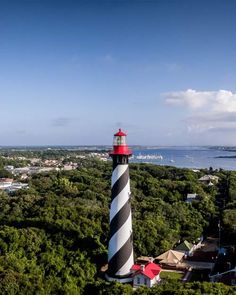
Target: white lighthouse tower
[[120, 251]]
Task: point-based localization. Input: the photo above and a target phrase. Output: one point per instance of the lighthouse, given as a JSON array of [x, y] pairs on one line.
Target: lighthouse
[[120, 250]]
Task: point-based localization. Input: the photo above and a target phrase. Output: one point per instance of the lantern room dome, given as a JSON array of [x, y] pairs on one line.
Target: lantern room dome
[[120, 133], [119, 144]]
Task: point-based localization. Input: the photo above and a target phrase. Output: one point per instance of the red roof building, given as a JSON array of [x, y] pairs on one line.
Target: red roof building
[[146, 275]]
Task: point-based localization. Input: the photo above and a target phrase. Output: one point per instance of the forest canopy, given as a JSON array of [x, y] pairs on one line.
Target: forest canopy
[[54, 235]]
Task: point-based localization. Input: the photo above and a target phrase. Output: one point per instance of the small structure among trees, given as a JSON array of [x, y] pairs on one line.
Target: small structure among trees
[[209, 179], [185, 247], [146, 274], [191, 197], [170, 258]]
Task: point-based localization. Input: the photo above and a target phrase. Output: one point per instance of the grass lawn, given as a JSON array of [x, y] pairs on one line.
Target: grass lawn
[[169, 275]]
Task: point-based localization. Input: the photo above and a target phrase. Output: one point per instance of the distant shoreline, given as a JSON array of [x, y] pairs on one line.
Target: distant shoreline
[[226, 157]]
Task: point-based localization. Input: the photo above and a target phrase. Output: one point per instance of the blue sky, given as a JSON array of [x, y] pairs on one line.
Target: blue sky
[[72, 72]]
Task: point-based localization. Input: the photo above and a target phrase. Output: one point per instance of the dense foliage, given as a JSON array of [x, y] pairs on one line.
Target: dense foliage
[[53, 236], [168, 288], [229, 209]]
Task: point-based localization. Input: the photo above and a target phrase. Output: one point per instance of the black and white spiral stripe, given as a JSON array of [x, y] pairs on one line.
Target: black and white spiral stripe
[[120, 252]]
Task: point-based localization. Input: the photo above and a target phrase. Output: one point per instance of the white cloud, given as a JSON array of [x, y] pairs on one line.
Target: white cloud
[[218, 101], [225, 101], [190, 98], [208, 110]]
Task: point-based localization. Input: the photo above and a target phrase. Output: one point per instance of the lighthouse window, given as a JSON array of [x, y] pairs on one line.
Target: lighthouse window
[[119, 140]]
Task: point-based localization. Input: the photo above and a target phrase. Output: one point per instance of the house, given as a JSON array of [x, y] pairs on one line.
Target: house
[[209, 179], [23, 170], [185, 247], [144, 259], [68, 167], [145, 274], [16, 186], [170, 258], [8, 185], [9, 168], [5, 182], [191, 197]]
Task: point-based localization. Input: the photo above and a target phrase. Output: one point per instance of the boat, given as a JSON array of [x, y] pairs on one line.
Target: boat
[[149, 157]]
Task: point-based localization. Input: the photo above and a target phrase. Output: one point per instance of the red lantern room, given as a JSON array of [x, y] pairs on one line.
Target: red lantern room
[[119, 144]]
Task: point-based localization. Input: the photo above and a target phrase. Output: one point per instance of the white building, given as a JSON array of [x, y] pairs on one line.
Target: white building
[[191, 197], [8, 185], [5, 182], [207, 179], [146, 275], [9, 168], [16, 186]]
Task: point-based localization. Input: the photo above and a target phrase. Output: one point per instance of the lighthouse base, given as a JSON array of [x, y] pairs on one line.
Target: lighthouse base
[[122, 279]]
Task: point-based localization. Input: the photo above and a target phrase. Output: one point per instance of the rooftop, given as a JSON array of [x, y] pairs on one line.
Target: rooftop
[[150, 270]]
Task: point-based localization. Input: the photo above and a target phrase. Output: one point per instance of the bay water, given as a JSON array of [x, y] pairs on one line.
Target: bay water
[[188, 157]]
